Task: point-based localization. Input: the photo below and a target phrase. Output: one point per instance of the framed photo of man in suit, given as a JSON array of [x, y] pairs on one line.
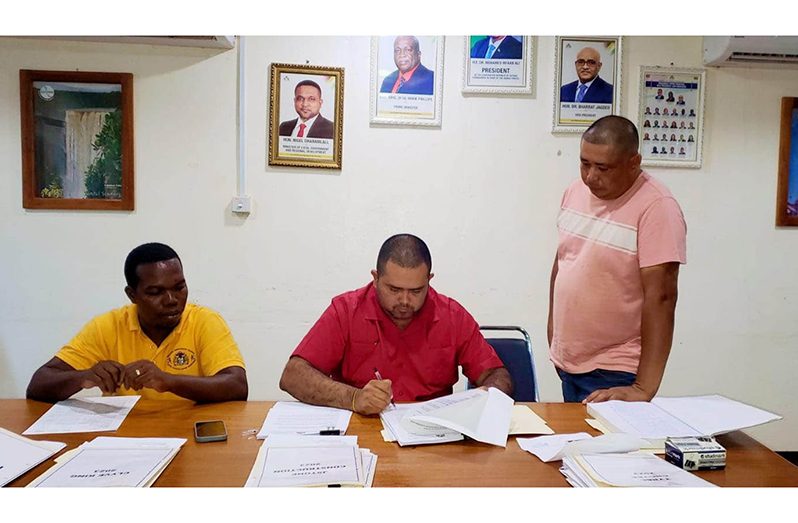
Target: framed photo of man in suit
[[678, 95], [406, 80], [498, 64], [587, 81], [306, 109]]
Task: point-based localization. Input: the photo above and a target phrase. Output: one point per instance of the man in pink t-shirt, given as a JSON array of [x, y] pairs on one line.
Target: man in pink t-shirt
[[622, 237]]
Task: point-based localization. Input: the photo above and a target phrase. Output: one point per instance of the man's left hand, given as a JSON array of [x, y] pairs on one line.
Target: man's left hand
[[144, 373], [628, 393]]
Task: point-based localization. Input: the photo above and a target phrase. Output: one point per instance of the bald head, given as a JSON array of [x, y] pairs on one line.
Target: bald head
[[405, 250], [617, 131]]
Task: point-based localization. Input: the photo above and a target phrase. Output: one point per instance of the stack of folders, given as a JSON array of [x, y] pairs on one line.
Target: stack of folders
[[635, 469], [112, 462], [19, 454], [312, 461], [484, 415], [674, 417]]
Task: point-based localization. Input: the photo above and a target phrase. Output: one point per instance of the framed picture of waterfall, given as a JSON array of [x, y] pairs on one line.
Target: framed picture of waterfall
[[77, 140]]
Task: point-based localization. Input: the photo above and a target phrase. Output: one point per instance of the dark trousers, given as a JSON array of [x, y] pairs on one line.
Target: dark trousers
[[576, 387]]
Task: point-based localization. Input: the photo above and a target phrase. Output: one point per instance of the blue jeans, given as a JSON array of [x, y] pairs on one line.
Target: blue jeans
[[576, 387]]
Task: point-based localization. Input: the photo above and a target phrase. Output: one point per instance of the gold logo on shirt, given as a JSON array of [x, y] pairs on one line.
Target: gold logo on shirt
[[181, 359]]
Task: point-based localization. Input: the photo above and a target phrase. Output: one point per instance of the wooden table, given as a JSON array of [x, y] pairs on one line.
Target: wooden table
[[458, 464]]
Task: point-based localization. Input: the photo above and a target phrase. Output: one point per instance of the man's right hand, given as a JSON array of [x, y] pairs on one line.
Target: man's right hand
[[374, 397], [106, 374]]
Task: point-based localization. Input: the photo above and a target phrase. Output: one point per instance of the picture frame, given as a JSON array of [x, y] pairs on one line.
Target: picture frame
[[77, 140], [498, 67], [602, 58], [304, 130], [787, 189], [668, 139], [416, 102]]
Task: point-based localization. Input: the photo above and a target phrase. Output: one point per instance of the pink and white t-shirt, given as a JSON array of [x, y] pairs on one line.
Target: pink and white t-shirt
[[598, 293]]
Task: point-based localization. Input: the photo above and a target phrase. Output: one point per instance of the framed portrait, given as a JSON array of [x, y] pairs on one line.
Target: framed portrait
[[498, 64], [306, 116], [77, 140], [787, 193], [406, 80], [671, 116], [587, 81]]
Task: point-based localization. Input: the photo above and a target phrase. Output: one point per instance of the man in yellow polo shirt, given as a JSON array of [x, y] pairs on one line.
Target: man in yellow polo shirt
[[158, 346]]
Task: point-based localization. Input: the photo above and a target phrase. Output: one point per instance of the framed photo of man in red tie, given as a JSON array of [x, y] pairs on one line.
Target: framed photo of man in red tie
[[306, 107], [498, 64], [406, 80], [587, 81]]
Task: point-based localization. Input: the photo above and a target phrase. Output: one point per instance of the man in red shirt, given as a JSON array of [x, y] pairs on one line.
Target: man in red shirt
[[395, 338]]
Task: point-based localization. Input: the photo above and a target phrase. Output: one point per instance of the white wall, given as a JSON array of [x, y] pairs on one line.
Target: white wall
[[486, 207]]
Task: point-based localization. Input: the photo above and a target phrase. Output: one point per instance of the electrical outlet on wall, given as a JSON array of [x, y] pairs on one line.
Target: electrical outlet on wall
[[241, 205]]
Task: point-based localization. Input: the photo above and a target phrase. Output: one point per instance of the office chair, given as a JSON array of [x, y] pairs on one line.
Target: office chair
[[516, 354]]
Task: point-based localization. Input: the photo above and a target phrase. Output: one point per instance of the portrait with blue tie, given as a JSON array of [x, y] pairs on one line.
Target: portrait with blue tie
[[587, 81], [589, 86], [498, 47]]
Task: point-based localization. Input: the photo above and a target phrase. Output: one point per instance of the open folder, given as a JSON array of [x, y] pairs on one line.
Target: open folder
[[19, 454], [682, 416], [483, 415]]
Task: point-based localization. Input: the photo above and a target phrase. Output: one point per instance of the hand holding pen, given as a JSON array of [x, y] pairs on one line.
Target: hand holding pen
[[377, 375], [373, 398]]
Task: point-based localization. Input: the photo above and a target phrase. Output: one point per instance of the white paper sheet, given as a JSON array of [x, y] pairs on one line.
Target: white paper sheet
[[292, 417], [547, 448], [107, 467], [286, 460], [19, 454], [640, 418], [112, 462], [84, 415], [714, 414]]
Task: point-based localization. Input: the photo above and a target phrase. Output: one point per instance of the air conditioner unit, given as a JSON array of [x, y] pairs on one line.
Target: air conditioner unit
[[751, 51]]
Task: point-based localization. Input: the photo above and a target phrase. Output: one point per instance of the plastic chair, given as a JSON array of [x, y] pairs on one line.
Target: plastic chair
[[516, 354]]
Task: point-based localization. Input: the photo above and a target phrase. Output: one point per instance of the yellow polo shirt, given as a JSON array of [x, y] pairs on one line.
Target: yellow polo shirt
[[200, 345]]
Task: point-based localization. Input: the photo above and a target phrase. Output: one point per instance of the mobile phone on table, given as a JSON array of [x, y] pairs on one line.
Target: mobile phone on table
[[213, 430]]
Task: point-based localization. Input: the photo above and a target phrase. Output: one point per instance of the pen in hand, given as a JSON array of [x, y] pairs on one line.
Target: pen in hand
[[377, 375]]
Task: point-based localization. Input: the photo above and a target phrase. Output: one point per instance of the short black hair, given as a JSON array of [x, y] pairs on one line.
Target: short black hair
[[616, 131], [310, 83], [405, 250], [143, 254]]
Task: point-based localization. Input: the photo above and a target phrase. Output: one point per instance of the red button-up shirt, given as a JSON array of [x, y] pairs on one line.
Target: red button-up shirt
[[354, 336]]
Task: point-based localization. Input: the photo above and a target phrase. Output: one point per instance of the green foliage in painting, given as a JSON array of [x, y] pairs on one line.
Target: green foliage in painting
[[105, 172]]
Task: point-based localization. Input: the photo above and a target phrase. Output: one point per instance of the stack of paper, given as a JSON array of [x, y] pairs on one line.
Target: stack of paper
[[476, 413], [312, 461], [626, 470], [19, 454], [292, 417], [112, 462], [84, 415], [687, 416]]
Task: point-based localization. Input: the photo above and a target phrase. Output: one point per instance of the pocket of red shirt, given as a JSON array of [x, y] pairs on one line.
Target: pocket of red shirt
[[360, 359]]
